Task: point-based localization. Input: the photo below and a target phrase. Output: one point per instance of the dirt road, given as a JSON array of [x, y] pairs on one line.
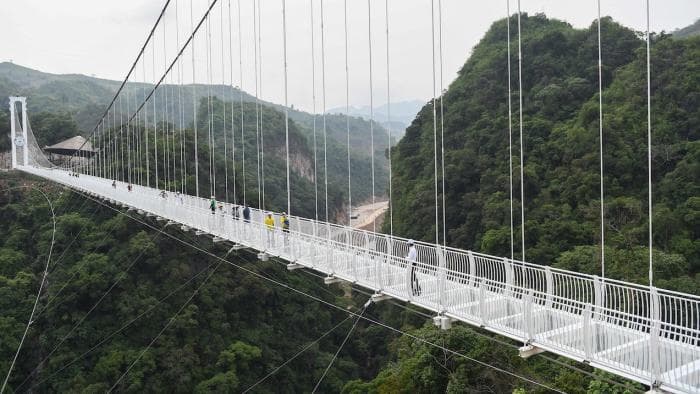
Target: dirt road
[[368, 214]]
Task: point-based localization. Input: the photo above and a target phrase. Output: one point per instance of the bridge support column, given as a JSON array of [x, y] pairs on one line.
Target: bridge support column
[[294, 266], [236, 247], [262, 256], [443, 322], [376, 297], [329, 280], [18, 141], [528, 351]]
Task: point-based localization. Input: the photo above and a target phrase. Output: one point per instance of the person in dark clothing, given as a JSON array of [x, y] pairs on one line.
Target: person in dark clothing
[[212, 205], [246, 214], [284, 223]]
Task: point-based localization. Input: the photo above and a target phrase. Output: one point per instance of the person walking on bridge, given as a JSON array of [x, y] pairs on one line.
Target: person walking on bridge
[[411, 258], [284, 223], [270, 226], [212, 205], [246, 214]]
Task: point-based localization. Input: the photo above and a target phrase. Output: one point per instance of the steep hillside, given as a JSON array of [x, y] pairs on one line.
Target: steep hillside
[[561, 152], [223, 339], [116, 285], [85, 98]]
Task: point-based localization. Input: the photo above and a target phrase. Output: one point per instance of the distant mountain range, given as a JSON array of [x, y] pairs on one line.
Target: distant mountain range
[[688, 31], [402, 114]]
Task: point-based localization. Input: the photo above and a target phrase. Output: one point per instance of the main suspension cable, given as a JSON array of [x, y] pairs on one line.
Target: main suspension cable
[[128, 74]]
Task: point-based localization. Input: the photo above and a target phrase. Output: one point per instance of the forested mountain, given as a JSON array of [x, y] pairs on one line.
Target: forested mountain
[[236, 329], [560, 131], [83, 99]]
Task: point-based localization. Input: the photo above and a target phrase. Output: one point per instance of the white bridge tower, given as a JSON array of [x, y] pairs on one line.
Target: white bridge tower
[[19, 141]]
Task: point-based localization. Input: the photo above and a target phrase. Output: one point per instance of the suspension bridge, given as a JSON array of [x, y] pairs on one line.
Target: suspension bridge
[[639, 332]]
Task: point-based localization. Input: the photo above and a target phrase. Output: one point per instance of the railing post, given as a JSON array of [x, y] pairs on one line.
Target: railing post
[[482, 297], [389, 260], [409, 279], [329, 249], [383, 260], [472, 269], [442, 276], [353, 260], [368, 255], [314, 225], [527, 315], [597, 293], [353, 251], [508, 268], [586, 319], [549, 278], [654, 331]]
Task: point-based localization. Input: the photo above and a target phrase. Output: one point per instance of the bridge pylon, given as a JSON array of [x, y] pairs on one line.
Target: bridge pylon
[[19, 141]]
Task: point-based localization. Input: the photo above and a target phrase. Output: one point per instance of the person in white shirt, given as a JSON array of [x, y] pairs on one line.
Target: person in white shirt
[[411, 257]]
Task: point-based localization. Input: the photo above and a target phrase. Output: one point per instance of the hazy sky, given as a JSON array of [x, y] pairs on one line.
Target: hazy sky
[[98, 37]]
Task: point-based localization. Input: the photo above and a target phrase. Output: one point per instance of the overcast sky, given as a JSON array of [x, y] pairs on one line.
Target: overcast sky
[[102, 38]]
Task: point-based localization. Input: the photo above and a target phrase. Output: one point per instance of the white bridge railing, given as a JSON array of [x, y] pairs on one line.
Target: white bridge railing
[[647, 335]]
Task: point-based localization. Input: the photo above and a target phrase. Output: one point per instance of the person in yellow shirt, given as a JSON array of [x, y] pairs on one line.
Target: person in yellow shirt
[[270, 225]]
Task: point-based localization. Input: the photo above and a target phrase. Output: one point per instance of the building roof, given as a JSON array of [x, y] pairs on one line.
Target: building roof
[[71, 146]]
